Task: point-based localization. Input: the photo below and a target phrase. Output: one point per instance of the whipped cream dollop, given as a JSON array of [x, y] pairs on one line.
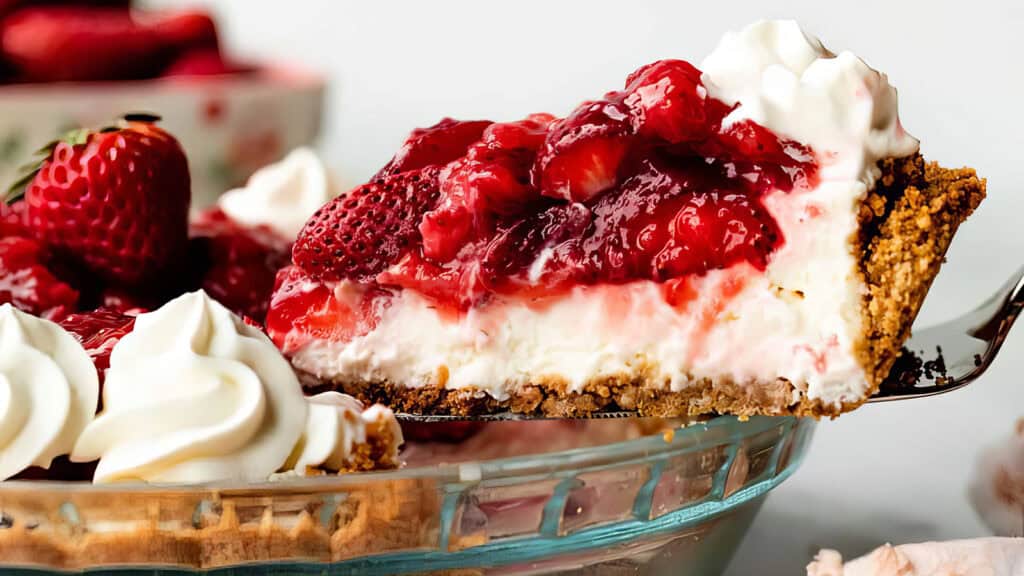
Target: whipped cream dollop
[[282, 195], [193, 394], [337, 423], [48, 391], [787, 81]]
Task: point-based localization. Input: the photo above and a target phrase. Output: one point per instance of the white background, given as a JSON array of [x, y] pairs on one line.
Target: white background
[[893, 472]]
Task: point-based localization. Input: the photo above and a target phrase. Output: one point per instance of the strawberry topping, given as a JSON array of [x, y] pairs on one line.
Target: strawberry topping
[[582, 153], [99, 331], [358, 235], [646, 183], [238, 263]]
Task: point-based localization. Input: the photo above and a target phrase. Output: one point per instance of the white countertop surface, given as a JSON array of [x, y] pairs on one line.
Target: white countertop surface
[[896, 472]]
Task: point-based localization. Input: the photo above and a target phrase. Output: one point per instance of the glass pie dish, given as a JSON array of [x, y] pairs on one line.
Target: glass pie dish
[[677, 502]]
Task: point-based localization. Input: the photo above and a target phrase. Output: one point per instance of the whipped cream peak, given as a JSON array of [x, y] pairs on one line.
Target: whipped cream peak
[[193, 394], [787, 81], [282, 195], [48, 391], [336, 424]]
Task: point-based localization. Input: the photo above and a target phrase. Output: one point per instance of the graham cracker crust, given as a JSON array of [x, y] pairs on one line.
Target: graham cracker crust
[[906, 225], [168, 529]]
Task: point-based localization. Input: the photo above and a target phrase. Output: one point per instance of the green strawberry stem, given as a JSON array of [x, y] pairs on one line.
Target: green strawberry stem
[[76, 137]]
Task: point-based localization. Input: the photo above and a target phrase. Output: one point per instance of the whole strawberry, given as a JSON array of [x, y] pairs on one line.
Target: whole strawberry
[[115, 201]]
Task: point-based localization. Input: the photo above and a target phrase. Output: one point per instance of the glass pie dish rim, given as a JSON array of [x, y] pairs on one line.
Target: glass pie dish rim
[[790, 437], [681, 440]]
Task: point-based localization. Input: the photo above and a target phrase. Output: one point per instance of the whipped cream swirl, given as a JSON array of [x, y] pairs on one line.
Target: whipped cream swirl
[[194, 394], [282, 195], [786, 80], [336, 424], [48, 391]]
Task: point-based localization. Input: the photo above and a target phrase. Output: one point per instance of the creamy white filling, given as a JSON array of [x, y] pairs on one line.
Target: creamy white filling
[[800, 319], [48, 391]]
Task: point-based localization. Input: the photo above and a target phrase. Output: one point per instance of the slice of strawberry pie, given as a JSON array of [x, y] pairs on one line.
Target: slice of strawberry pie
[[751, 237]]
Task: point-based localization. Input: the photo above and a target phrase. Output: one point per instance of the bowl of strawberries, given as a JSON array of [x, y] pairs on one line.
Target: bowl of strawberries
[[65, 64]]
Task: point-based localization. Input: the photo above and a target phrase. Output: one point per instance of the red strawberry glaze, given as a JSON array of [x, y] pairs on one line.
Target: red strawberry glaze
[[237, 263], [304, 309], [648, 183], [99, 331]]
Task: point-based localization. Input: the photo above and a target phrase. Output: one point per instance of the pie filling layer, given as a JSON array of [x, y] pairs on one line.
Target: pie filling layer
[[696, 226]]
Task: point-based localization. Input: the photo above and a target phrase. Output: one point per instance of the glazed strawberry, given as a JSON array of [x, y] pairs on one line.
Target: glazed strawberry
[[668, 101], [99, 331], [359, 234], [505, 156], [456, 284], [643, 184], [492, 181], [114, 202], [64, 43], [674, 219], [27, 282], [582, 153], [507, 258], [434, 146], [239, 263]]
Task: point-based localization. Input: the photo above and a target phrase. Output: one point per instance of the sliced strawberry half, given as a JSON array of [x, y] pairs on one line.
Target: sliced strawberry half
[[359, 234], [582, 153]]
